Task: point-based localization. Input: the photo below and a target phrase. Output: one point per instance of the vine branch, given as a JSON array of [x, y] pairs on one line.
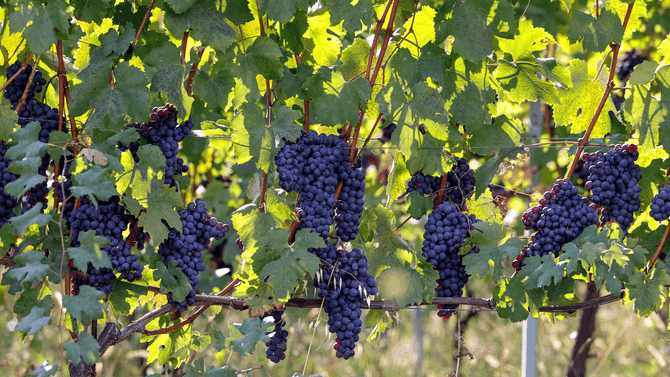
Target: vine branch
[[137, 36], [664, 239]]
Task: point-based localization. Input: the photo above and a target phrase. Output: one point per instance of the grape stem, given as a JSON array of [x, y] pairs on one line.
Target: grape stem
[[137, 36], [354, 141], [387, 37], [25, 64], [658, 249], [191, 74], [443, 188], [195, 315], [373, 47], [30, 81], [367, 139], [610, 84]]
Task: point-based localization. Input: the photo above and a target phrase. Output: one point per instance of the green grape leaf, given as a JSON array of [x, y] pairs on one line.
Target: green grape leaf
[[492, 254], [27, 146], [548, 273], [419, 205], [292, 264], [86, 349], [281, 11], [515, 302], [528, 40], [46, 19], [319, 33], [334, 100], [213, 89], [473, 40], [127, 94], [252, 139], [355, 57], [172, 280], [409, 280], [647, 115], [86, 305], [643, 73], [207, 20], [237, 11], [181, 6], [163, 201], [264, 54], [580, 102], [31, 298], [291, 84], [485, 173], [95, 181], [45, 370], [173, 348], [30, 217], [521, 81], [397, 178], [648, 295], [29, 267], [115, 44], [140, 177], [244, 336], [90, 250], [381, 222], [29, 177], [124, 296], [91, 10], [8, 121], [355, 17], [34, 322], [378, 321], [169, 76], [505, 132], [595, 34]]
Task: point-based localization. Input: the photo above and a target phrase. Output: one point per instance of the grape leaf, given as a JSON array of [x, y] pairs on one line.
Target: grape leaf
[[292, 263], [528, 40], [397, 178], [515, 302], [163, 199], [237, 11], [180, 6], [29, 177], [485, 173], [86, 349], [579, 103], [281, 11], [489, 261], [34, 322], [244, 336], [32, 297], [355, 57], [116, 44], [27, 146], [334, 100], [379, 321], [90, 250], [124, 296], [319, 33], [206, 19], [643, 73], [29, 267], [419, 205], [95, 181], [468, 24], [505, 132], [169, 76], [31, 217], [8, 121], [213, 89], [172, 280], [548, 273], [381, 223], [86, 305], [46, 19], [45, 370], [595, 34], [647, 115], [198, 370], [354, 17], [648, 295], [91, 10], [173, 347], [409, 280]]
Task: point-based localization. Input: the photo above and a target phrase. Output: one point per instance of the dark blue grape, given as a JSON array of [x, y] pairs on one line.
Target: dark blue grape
[[445, 231], [186, 247], [460, 183], [613, 181], [343, 282], [276, 347], [660, 204], [627, 61]]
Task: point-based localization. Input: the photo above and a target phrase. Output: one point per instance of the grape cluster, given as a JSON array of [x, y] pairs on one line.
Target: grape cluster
[[165, 132], [613, 178], [312, 167], [445, 231], [198, 228], [660, 204], [276, 347], [109, 220], [7, 202], [627, 62], [14, 91], [560, 217], [460, 182], [349, 204], [343, 282]]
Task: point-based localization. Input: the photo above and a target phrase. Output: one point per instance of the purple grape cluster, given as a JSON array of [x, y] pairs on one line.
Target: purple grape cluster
[[7, 202], [349, 204], [445, 231], [660, 204], [276, 347], [14, 91], [343, 282], [198, 228], [109, 220], [613, 181], [560, 217], [165, 132], [627, 62], [312, 166], [460, 183]]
